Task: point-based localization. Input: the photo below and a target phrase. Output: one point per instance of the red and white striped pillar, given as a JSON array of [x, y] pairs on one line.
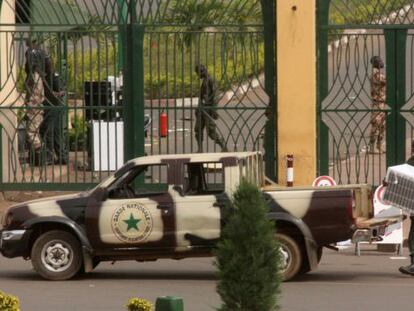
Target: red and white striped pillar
[[289, 178]]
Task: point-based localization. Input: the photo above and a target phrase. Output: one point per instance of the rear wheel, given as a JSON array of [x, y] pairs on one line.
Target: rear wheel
[[291, 256], [56, 255], [319, 253]]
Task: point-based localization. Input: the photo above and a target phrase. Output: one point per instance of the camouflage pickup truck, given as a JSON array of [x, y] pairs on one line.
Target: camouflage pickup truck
[[170, 206]]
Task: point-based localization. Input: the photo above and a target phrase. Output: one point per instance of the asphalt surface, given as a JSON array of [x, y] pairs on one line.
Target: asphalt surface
[[342, 282]]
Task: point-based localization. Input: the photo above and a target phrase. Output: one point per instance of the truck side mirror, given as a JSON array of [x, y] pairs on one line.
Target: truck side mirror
[[179, 190]]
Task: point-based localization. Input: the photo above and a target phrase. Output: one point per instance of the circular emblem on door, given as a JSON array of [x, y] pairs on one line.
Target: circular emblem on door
[[131, 223]]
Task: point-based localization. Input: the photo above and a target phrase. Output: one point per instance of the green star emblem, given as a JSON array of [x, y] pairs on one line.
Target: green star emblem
[[132, 222]]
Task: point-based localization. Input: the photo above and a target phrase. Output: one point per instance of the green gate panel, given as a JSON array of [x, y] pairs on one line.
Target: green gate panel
[[396, 127], [153, 50], [322, 92], [56, 12], [355, 31], [134, 93], [270, 68]]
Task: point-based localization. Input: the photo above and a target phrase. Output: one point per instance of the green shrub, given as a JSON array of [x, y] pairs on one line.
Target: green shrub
[[363, 11], [9, 302], [78, 138], [248, 256], [139, 304], [234, 63]]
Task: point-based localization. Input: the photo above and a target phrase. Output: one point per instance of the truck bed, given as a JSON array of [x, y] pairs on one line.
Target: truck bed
[[362, 207]]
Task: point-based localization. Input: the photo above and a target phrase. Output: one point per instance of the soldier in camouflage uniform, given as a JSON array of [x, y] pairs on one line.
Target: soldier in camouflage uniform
[[378, 94], [34, 98], [207, 117]]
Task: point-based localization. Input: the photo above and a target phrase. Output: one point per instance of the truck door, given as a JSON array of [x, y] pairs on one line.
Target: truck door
[[137, 212], [198, 205]]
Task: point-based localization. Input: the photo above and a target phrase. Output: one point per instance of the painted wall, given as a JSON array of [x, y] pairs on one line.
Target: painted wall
[[8, 93], [296, 115]]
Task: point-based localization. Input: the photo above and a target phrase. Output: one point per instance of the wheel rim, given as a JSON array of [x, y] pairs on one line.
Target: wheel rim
[[57, 256], [286, 257]]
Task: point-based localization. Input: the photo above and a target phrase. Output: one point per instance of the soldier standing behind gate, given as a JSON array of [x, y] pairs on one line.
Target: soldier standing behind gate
[[53, 128], [34, 99], [378, 94], [207, 117]]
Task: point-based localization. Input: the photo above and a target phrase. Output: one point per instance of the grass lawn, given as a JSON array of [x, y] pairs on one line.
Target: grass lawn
[[363, 11]]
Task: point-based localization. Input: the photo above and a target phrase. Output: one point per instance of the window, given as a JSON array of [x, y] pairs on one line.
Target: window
[[140, 181], [203, 178], [155, 178]]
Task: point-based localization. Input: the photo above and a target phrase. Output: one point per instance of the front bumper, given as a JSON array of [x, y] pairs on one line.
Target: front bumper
[[14, 243]]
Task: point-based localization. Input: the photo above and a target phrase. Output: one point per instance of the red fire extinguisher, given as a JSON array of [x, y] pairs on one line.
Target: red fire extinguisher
[[163, 124]]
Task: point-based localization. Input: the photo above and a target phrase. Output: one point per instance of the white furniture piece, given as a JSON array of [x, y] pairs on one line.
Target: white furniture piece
[[107, 145]]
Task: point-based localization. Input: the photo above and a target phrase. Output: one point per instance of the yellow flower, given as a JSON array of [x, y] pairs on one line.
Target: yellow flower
[[139, 304], [8, 302]]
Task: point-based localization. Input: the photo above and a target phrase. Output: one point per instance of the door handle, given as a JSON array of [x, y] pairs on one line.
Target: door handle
[[163, 207]]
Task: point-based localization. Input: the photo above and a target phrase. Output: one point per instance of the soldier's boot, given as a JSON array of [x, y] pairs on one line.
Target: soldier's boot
[[219, 141], [223, 147], [200, 146], [62, 157], [43, 159], [408, 269], [371, 148], [35, 157], [381, 147]]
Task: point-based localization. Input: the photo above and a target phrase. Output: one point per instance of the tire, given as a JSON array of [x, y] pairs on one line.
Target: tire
[[56, 243], [319, 253], [291, 256]]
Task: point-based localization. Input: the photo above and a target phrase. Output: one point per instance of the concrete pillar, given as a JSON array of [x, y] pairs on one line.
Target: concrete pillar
[[8, 92], [296, 85]]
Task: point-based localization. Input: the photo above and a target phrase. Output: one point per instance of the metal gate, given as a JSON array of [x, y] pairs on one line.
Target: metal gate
[[122, 66], [350, 130]]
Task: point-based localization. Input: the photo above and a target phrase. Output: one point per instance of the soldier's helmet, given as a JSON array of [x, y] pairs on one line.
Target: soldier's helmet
[[201, 70], [37, 59], [33, 61], [377, 62]]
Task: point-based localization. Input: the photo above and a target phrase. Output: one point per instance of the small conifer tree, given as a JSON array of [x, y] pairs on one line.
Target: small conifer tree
[[247, 256]]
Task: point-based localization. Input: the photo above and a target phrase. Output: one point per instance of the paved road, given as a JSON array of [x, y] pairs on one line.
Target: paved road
[[342, 282]]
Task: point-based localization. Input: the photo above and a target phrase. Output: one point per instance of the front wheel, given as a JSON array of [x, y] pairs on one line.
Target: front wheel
[[291, 256], [56, 255]]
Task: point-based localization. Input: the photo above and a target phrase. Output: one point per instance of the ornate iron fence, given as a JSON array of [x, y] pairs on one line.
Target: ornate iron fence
[[124, 64], [365, 110]]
